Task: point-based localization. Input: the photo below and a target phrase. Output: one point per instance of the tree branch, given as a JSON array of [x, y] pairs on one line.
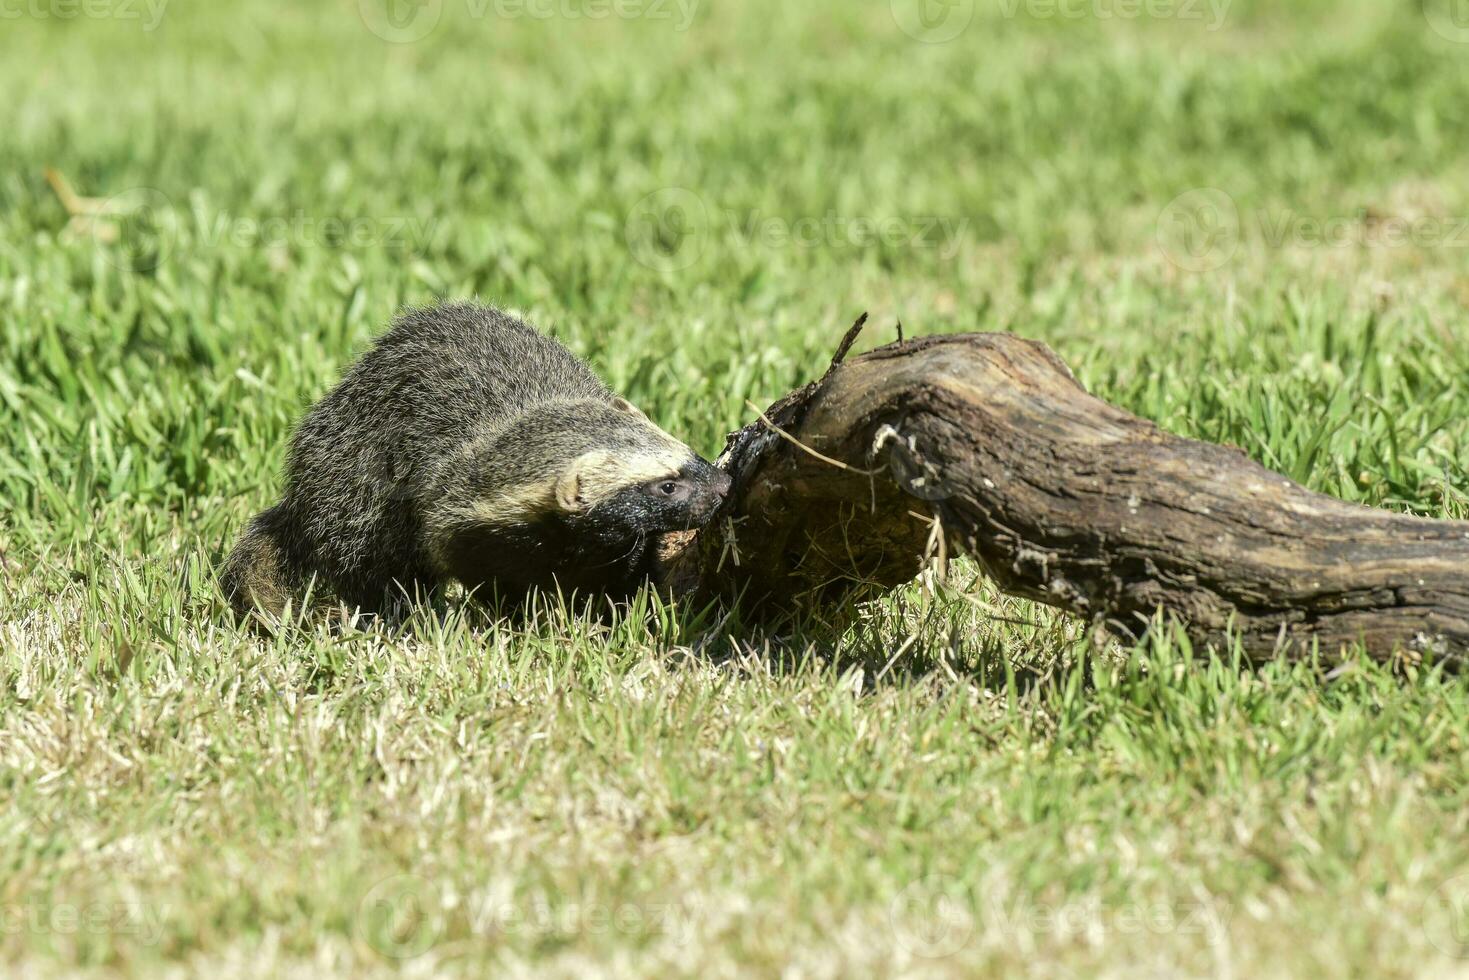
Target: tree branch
[[1064, 499]]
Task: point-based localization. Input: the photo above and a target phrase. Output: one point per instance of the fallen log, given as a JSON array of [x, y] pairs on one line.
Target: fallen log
[[1062, 498]]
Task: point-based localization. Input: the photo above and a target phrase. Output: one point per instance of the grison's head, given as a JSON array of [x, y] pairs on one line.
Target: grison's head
[[637, 477], [599, 467]]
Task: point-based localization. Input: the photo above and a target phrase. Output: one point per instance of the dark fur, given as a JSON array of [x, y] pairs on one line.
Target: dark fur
[[453, 405]]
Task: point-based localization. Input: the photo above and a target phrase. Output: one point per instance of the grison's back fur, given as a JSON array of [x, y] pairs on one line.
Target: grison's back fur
[[466, 445]]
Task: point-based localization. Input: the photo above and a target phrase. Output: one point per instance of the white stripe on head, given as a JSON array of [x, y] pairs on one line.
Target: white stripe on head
[[587, 480], [595, 476]]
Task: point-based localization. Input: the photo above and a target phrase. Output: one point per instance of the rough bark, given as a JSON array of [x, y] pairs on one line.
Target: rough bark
[[1064, 499]]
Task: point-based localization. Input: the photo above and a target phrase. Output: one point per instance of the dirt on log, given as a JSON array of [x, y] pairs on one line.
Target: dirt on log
[[1064, 499]]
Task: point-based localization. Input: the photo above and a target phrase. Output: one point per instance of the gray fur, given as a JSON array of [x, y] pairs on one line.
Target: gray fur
[[452, 406]]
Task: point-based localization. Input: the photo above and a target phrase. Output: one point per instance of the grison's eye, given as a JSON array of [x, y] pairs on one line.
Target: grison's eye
[[669, 489]]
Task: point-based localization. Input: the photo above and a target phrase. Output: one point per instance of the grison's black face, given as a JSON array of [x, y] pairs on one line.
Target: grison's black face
[[674, 502]]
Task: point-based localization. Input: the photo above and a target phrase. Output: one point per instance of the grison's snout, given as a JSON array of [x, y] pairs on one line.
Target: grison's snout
[[721, 483], [713, 486]]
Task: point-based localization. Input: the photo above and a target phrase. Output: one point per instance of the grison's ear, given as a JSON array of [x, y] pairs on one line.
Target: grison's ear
[[574, 488], [623, 405]]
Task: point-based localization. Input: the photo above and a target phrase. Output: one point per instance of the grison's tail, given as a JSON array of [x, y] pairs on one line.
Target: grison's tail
[[258, 576]]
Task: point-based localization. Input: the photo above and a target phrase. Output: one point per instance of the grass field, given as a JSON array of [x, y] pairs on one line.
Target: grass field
[[1245, 220]]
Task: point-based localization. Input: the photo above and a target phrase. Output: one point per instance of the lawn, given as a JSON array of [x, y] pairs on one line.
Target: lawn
[[1246, 220]]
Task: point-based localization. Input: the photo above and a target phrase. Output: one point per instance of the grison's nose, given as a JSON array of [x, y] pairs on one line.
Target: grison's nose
[[721, 482]]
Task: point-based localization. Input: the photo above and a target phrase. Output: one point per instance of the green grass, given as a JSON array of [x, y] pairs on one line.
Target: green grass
[[961, 782]]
